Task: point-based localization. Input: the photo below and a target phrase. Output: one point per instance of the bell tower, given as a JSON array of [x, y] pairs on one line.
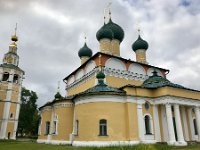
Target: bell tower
[[11, 77]]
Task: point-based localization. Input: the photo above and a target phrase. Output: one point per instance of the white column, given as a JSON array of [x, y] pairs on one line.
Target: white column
[[17, 112], [179, 128], [140, 122], [185, 125], [1, 73], [191, 124], [197, 114], [7, 107], [156, 123], [171, 135]]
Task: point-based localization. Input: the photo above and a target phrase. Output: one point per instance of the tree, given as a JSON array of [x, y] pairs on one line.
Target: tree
[[28, 117]]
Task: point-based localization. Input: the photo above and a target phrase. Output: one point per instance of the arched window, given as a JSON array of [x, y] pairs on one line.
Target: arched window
[[5, 76], [147, 124], [9, 135], [195, 127], [47, 127], [15, 79], [103, 127]]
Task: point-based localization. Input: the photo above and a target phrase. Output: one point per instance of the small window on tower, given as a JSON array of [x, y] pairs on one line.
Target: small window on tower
[[15, 79], [5, 76], [11, 115]]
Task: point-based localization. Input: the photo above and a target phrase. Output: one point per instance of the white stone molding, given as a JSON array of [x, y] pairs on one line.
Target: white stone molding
[[179, 128], [71, 80], [104, 143], [140, 122], [197, 114], [1, 73], [79, 74], [177, 100], [115, 64], [62, 104], [185, 125], [40, 125], [171, 135], [100, 98], [164, 123], [54, 142], [124, 74], [17, 113], [90, 66], [83, 79], [137, 69], [7, 106], [156, 123], [191, 124]]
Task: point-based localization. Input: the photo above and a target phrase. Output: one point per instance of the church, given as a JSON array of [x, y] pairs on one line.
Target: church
[[11, 76], [112, 100]]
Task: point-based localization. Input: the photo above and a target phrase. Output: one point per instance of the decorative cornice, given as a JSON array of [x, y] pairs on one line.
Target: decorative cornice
[[57, 105], [125, 74], [84, 78]]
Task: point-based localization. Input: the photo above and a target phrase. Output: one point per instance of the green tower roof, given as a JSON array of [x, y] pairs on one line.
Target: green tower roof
[[85, 51], [140, 44]]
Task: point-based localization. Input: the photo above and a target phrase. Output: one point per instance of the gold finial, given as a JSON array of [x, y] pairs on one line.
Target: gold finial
[[14, 37]]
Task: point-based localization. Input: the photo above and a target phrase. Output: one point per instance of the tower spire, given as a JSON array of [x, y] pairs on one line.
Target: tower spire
[[58, 88], [109, 9], [14, 37], [11, 57], [85, 37]]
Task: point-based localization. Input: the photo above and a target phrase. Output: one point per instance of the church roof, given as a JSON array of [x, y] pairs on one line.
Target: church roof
[[156, 81], [113, 56]]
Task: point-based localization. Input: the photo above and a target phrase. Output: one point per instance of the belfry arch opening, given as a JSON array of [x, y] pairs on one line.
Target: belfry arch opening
[[5, 76]]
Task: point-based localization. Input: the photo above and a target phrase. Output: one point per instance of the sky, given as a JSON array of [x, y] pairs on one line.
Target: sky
[[52, 32]]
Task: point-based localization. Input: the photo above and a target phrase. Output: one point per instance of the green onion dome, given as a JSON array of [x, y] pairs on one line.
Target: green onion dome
[[140, 44], [100, 75], [58, 96], [118, 32], [85, 51], [104, 32]]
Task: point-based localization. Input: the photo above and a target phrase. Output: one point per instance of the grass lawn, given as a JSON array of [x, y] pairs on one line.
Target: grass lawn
[[16, 145]]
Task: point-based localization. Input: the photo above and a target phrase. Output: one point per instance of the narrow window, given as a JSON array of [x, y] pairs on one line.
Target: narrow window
[[15, 79], [147, 124], [47, 127], [103, 127], [11, 115], [55, 127], [9, 135], [76, 127], [195, 127], [5, 76]]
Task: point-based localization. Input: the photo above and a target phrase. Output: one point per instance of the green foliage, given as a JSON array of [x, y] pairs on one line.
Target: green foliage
[[28, 117]]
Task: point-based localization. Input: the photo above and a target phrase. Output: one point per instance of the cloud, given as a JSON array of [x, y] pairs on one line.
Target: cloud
[[51, 33]]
